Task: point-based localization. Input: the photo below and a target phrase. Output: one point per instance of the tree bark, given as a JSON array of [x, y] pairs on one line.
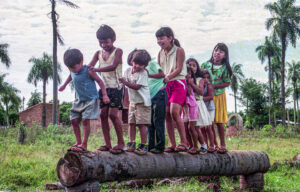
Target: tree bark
[[76, 168], [7, 115], [270, 89], [283, 44], [294, 96], [234, 101], [54, 26], [44, 104]]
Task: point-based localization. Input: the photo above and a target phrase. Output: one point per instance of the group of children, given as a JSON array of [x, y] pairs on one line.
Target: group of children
[[169, 92]]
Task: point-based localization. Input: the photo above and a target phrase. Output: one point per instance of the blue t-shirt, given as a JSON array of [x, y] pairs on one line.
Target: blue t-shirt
[[85, 87], [154, 84]]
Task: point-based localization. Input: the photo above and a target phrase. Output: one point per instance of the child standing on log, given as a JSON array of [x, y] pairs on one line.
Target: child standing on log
[[85, 106], [220, 73], [171, 59], [136, 79]]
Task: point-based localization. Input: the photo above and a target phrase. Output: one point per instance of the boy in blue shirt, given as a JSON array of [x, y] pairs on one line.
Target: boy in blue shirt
[[85, 106]]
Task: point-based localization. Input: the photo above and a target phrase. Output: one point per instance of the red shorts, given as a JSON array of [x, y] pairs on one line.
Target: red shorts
[[176, 91]]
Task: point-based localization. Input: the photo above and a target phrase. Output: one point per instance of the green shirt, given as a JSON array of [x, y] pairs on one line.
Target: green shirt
[[154, 84], [218, 76]]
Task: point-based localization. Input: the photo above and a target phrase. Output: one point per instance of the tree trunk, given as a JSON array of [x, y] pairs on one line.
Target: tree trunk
[[7, 115], [54, 25], [283, 44], [76, 168], [270, 89], [295, 120], [44, 103], [234, 101]]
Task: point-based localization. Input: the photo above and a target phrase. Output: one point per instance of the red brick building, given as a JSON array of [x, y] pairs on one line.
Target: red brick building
[[34, 114]]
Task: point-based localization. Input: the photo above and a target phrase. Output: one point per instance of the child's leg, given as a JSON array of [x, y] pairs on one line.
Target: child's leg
[[204, 134], [170, 128], [105, 125], [200, 136], [215, 135], [175, 110], [151, 131], [221, 134], [188, 136], [143, 133], [113, 115], [86, 132], [132, 132], [210, 135], [193, 133], [76, 129]]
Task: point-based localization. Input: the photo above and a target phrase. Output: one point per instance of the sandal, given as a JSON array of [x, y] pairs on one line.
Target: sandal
[[103, 148], [193, 151], [170, 150], [222, 150], [211, 150], [116, 150], [77, 148], [181, 148]]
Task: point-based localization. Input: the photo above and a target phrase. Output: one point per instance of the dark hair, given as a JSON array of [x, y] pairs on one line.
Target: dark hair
[[190, 70], [130, 56], [141, 57], [72, 57], [225, 60], [167, 31], [105, 32], [197, 74]]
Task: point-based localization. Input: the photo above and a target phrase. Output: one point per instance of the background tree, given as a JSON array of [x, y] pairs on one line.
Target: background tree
[[9, 100], [294, 75], [56, 36], [284, 22], [268, 50], [42, 70], [4, 55], [236, 78], [34, 99]]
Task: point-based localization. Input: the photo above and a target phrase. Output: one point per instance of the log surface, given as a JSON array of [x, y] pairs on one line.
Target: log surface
[[76, 168]]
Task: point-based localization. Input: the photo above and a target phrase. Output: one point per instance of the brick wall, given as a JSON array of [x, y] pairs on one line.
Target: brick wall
[[34, 114]]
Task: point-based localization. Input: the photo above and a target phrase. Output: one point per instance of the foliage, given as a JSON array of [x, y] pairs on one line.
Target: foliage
[[34, 99], [64, 113], [4, 58]]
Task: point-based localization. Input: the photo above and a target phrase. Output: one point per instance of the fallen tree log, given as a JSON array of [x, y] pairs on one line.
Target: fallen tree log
[[76, 168]]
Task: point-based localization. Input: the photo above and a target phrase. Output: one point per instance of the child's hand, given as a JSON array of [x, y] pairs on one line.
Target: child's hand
[[122, 80], [166, 80], [190, 81], [91, 68], [106, 99], [61, 88]]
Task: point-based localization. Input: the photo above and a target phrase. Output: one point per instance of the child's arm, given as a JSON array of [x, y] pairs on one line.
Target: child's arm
[[179, 64], [222, 85], [210, 91], [114, 65], [95, 77], [198, 89], [94, 60], [68, 80], [129, 84], [158, 75]]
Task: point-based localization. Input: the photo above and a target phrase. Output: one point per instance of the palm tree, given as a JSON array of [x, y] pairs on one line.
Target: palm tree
[[294, 74], [236, 78], [4, 55], [285, 22], [34, 99], [9, 99], [268, 50], [56, 36], [42, 70]]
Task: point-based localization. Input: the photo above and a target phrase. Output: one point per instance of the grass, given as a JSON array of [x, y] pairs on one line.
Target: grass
[[29, 166]]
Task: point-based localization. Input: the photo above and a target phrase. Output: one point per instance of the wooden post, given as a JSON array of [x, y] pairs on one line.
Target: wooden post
[[255, 182]]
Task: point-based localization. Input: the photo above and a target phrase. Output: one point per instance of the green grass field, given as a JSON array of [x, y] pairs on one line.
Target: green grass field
[[29, 166]]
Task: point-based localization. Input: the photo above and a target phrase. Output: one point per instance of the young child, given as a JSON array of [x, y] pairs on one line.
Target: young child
[[85, 106], [136, 79], [171, 59], [208, 131], [190, 113], [203, 117], [220, 73], [159, 99], [110, 69]]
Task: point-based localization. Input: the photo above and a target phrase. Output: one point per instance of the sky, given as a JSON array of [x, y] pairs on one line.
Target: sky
[[198, 25]]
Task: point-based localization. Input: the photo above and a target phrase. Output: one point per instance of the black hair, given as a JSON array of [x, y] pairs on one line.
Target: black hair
[[72, 57], [130, 56], [105, 32], [197, 74], [223, 47], [190, 70], [167, 31], [142, 57]]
